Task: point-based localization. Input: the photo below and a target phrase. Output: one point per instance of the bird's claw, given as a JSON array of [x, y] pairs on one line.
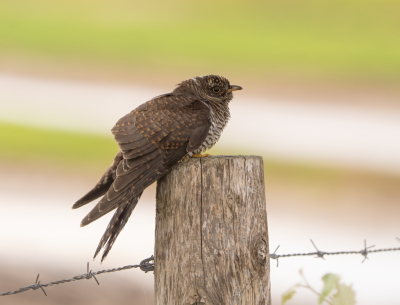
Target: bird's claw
[[185, 158], [201, 156]]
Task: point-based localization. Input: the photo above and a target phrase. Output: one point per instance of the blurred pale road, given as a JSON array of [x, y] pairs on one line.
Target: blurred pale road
[[326, 134], [38, 228]]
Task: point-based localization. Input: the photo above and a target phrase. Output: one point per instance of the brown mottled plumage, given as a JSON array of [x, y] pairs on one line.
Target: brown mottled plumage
[[152, 139]]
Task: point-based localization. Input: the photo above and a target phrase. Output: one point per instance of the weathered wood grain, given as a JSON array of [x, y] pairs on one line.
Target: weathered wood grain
[[211, 242]]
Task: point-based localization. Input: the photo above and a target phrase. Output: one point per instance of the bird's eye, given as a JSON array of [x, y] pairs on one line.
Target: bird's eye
[[216, 89]]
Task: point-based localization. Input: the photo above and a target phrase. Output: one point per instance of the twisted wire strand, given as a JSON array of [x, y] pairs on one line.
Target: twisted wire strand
[[364, 252], [144, 265], [147, 265], [275, 256]]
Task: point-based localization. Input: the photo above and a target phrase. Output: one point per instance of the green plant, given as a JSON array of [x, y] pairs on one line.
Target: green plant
[[334, 292]]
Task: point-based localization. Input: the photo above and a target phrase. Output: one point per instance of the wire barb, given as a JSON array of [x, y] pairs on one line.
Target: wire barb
[[318, 253], [275, 256], [37, 285], [90, 275], [364, 252]]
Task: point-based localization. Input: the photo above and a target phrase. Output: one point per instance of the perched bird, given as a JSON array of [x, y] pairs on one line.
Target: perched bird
[[152, 139]]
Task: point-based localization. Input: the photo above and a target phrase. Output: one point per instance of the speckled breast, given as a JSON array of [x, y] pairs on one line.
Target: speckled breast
[[218, 119]]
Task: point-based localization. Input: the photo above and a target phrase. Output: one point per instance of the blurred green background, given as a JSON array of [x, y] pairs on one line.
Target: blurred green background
[[349, 41], [355, 39]]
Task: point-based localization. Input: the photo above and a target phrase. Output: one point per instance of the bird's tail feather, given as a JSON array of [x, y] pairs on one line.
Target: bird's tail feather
[[99, 190], [103, 185], [116, 225]]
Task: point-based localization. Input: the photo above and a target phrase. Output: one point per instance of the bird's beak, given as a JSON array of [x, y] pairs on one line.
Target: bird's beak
[[234, 88]]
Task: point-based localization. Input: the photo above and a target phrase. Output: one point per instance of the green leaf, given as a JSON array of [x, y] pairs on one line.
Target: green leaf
[[330, 282], [288, 295], [345, 296]]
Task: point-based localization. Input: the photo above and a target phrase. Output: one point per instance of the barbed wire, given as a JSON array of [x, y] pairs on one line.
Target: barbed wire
[[320, 254], [147, 265], [144, 265]]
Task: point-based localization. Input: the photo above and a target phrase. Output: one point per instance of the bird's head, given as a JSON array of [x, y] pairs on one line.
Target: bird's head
[[212, 88]]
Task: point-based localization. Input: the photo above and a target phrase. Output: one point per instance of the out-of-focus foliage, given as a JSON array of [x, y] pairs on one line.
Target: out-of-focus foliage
[[26, 144], [331, 281], [331, 38], [23, 144], [345, 296], [333, 292], [73, 149], [288, 295]]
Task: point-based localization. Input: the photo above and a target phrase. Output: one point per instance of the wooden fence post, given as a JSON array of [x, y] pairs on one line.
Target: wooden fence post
[[211, 243]]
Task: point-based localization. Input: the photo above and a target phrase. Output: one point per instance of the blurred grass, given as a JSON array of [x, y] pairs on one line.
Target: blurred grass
[[22, 144], [87, 154], [26, 145], [310, 37]]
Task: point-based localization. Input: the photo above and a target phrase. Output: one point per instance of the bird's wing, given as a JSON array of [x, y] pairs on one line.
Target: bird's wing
[[152, 138], [197, 137]]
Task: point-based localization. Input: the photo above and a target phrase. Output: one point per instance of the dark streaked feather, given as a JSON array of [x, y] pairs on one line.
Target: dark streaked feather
[[103, 185], [132, 186], [124, 180], [140, 151], [124, 138], [126, 147], [197, 137], [133, 163], [115, 226], [97, 212], [172, 156], [137, 163]]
